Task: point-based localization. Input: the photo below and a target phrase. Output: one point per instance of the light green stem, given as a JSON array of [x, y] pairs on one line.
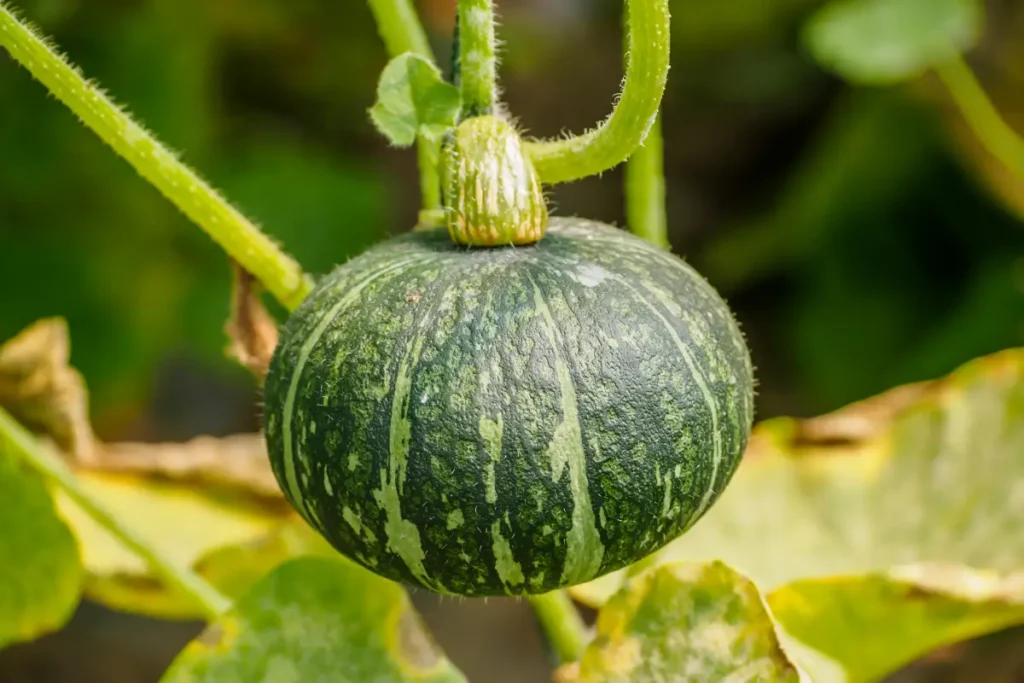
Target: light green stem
[[611, 143], [562, 624], [478, 62], [402, 32], [645, 189], [242, 240], [213, 603], [981, 115], [400, 28]]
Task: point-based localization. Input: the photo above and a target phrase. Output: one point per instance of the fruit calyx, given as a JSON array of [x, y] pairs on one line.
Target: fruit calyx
[[492, 194]]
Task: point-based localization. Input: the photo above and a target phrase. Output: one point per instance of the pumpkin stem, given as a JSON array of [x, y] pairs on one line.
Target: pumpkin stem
[[477, 65]]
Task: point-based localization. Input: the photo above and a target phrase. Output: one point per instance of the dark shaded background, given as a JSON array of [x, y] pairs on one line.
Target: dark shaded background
[[862, 238]]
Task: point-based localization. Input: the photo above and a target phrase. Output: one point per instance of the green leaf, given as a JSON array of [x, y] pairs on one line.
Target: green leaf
[[40, 573], [684, 622], [316, 620], [908, 498], [413, 99], [881, 42]]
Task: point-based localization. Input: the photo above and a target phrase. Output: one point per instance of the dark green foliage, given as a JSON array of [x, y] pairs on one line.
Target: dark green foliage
[[508, 420]]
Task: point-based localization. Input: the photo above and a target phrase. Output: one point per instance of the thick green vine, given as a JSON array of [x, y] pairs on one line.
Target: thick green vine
[[611, 143], [645, 189], [239, 237], [478, 62]]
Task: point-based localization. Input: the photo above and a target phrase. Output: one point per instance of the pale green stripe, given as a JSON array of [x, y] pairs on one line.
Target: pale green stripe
[[702, 385], [584, 551], [403, 536], [291, 479]]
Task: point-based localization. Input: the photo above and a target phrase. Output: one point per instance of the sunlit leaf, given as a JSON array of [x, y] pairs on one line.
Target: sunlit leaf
[[924, 477], [927, 608], [40, 572], [187, 523], [680, 623], [413, 99], [878, 42], [316, 620]]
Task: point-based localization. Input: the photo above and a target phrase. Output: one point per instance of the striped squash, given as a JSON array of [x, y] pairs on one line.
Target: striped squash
[[510, 420]]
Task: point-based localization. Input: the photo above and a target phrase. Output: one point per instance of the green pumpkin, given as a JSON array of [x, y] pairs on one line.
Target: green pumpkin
[[508, 420]]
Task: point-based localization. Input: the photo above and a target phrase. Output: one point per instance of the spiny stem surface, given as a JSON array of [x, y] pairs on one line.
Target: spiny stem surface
[[242, 240], [477, 57], [611, 143]]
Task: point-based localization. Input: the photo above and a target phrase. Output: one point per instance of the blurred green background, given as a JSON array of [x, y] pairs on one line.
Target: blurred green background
[[861, 236]]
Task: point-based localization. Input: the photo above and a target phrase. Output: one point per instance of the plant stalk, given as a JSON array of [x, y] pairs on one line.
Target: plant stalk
[[981, 115], [402, 32], [645, 189], [478, 63], [242, 240], [562, 624], [214, 604], [611, 143]]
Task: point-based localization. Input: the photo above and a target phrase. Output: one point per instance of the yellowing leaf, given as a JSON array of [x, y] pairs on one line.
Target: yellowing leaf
[[40, 573], [834, 615], [683, 623], [316, 620], [921, 478], [185, 523]]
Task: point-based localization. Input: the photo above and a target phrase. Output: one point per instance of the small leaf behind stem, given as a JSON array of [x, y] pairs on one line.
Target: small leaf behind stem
[[414, 100]]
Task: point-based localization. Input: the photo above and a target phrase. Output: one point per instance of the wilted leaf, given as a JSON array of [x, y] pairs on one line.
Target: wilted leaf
[[236, 463], [413, 99], [40, 572], [879, 42], [185, 522], [251, 329], [933, 492], [680, 623], [316, 620], [43, 392]]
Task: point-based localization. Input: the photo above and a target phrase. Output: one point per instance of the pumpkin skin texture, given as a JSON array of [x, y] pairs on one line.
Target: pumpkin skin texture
[[509, 420]]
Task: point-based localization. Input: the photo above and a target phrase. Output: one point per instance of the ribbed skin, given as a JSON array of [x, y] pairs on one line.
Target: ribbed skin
[[511, 420]]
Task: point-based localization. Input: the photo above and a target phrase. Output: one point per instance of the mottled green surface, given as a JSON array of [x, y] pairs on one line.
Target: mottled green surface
[[685, 623], [508, 420], [885, 530], [316, 620], [40, 573]]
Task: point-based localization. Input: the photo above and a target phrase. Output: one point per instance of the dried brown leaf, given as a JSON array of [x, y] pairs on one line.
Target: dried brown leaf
[[42, 391], [251, 329], [234, 462]]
